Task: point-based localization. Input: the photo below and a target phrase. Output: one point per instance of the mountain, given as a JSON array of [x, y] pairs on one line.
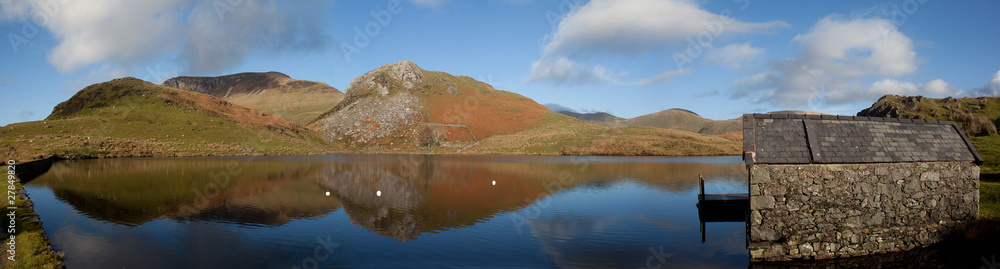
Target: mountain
[[129, 117], [685, 120], [598, 118], [401, 107], [297, 100], [397, 107], [976, 116], [674, 119]]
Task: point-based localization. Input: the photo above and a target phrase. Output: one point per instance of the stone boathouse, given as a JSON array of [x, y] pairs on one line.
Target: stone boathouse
[[824, 186]]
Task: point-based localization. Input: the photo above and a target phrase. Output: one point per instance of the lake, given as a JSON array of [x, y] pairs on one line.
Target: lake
[[389, 211]]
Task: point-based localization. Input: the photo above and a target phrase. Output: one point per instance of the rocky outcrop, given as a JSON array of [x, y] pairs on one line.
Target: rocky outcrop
[[972, 114], [377, 105]]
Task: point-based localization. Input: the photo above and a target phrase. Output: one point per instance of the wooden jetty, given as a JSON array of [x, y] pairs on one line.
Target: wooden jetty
[[734, 207]]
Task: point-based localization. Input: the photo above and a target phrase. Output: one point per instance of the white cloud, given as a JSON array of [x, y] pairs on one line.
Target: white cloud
[[892, 86], [562, 70], [835, 58], [204, 36], [992, 88], [633, 27], [664, 76], [734, 55], [641, 25]]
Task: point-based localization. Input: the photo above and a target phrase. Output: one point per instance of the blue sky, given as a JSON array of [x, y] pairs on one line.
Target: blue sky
[[627, 57]]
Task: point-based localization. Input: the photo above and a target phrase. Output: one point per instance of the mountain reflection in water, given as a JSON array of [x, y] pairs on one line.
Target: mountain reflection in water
[[403, 197]]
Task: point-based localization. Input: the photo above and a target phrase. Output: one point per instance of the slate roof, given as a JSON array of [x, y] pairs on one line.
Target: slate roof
[[795, 138]]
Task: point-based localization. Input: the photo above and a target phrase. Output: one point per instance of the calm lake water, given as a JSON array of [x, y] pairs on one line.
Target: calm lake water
[[389, 211]]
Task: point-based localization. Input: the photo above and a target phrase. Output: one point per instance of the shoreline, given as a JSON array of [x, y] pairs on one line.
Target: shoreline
[[29, 230]]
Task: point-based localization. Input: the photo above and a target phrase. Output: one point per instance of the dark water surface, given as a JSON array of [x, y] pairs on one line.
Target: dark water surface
[[389, 211]]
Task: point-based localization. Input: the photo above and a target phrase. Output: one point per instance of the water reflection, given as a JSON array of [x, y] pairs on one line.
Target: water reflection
[[575, 212], [395, 196]]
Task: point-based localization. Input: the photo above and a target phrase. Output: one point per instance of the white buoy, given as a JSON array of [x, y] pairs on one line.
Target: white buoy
[[494, 183], [327, 193], [378, 193]]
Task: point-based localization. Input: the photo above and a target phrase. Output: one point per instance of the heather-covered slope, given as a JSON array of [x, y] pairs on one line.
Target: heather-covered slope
[[400, 106]]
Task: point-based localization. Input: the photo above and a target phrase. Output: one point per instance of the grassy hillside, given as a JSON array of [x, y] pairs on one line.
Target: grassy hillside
[[977, 116], [596, 118], [132, 118], [300, 101], [562, 134], [674, 119]]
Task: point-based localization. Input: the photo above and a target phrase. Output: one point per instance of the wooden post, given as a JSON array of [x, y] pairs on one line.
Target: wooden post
[[701, 183]]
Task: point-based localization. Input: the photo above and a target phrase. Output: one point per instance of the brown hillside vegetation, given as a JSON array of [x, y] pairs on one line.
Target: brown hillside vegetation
[[562, 134], [396, 104], [403, 108], [297, 100], [132, 118]]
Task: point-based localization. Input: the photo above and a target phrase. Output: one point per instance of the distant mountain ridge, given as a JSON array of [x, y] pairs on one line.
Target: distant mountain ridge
[[674, 119], [298, 100]]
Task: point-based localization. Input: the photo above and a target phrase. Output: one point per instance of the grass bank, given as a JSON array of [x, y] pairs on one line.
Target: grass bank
[[30, 242]]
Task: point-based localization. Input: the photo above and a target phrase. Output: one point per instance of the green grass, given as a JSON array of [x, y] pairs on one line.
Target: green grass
[[989, 199], [989, 188], [561, 134], [142, 122], [33, 249]]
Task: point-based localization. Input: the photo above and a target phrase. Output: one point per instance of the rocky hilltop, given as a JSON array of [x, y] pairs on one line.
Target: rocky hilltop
[[976, 116], [298, 100], [400, 105]]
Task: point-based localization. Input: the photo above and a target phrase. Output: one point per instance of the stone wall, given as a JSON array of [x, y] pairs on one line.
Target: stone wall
[[839, 210]]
